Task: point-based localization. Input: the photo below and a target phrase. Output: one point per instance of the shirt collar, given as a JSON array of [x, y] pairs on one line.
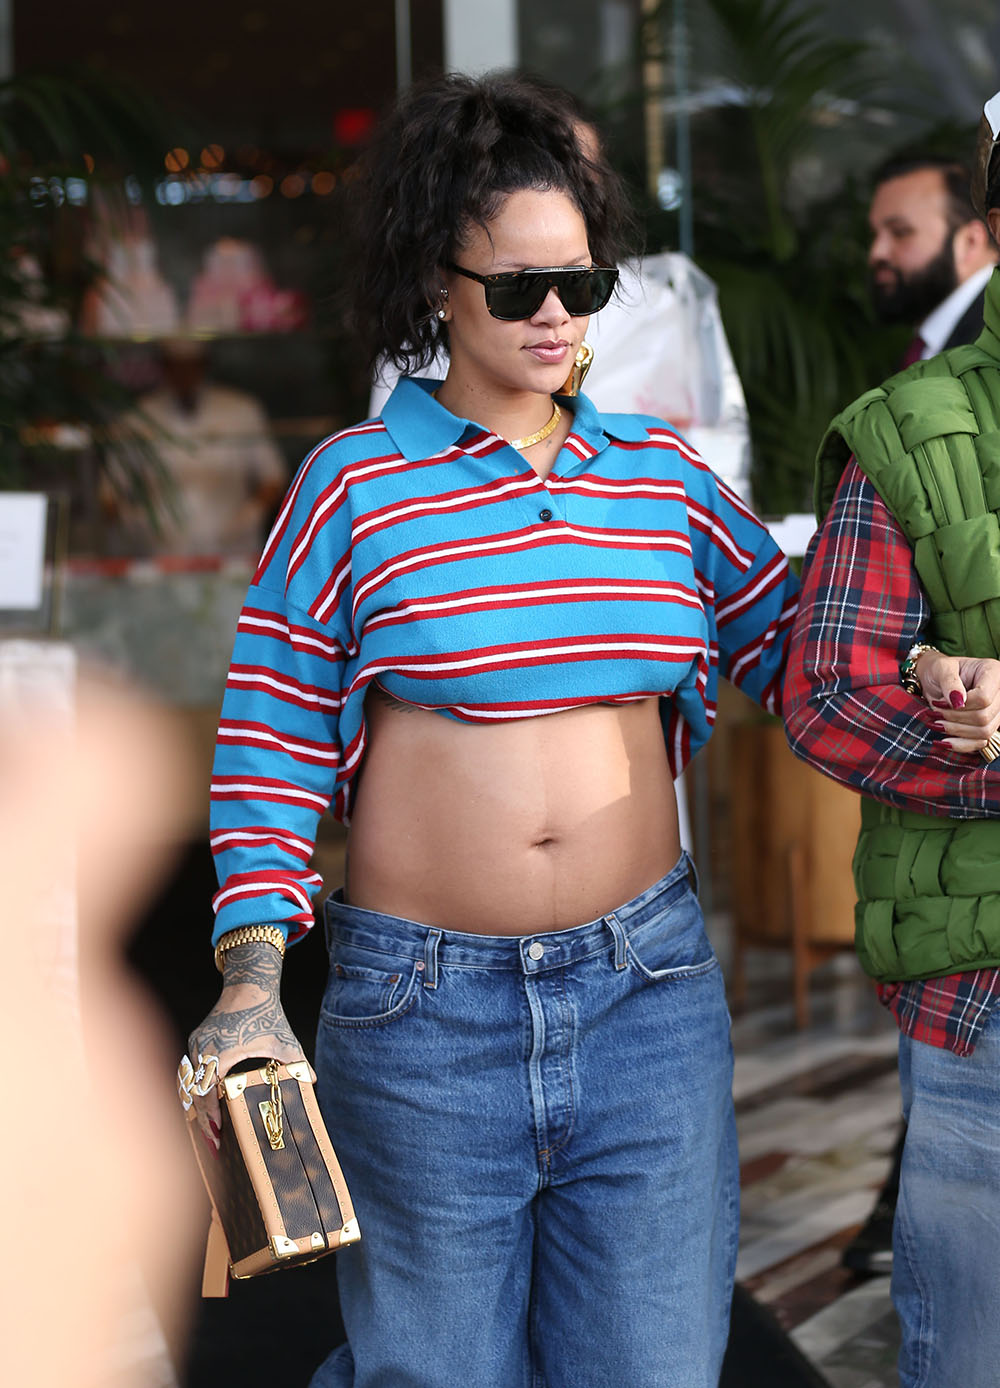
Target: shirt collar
[[421, 428], [417, 424], [598, 429], [937, 327]]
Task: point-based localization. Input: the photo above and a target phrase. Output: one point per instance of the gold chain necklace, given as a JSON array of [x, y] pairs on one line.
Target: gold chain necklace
[[539, 434]]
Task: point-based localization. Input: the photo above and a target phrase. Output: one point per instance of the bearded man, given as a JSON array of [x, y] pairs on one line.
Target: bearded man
[[930, 254]]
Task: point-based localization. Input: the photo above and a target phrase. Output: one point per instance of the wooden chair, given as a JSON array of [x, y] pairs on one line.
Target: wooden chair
[[792, 838]]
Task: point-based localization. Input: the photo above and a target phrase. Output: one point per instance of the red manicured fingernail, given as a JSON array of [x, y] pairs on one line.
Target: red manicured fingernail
[[957, 700], [217, 1130], [937, 725], [940, 703], [947, 746]]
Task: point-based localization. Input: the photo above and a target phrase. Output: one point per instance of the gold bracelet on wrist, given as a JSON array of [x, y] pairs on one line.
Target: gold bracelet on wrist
[[992, 749], [908, 669], [249, 935]]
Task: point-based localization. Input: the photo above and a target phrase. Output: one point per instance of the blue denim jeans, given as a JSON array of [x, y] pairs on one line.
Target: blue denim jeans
[[538, 1136], [946, 1237]]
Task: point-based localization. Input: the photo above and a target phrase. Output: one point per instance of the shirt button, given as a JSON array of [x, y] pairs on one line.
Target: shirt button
[[536, 950], [545, 515]]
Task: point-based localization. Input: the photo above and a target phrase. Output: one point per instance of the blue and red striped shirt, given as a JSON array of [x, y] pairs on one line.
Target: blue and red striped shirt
[[419, 550]]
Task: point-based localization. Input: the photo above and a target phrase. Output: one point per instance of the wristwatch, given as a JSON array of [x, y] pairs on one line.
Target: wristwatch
[[249, 935]]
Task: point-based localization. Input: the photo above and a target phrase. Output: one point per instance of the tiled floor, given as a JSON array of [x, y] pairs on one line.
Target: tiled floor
[[817, 1113]]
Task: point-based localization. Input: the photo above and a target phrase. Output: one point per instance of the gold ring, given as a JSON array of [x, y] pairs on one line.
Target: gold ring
[[206, 1074], [200, 1081], [992, 749], [185, 1077]]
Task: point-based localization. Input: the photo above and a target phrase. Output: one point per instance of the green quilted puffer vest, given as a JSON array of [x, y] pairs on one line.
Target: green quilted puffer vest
[[929, 440]]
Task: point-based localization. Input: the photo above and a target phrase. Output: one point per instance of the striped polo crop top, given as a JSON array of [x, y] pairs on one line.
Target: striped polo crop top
[[420, 551]]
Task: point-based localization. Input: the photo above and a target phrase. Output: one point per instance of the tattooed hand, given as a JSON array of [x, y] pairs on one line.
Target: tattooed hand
[[247, 1021]]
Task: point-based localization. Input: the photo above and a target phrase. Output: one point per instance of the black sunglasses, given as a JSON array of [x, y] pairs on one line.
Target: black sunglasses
[[518, 294]]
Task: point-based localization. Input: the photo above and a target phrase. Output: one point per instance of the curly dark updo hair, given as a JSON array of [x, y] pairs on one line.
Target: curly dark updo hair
[[444, 160]]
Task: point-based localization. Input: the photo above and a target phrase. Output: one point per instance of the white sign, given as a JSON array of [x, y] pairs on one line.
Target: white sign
[[22, 549], [478, 38]]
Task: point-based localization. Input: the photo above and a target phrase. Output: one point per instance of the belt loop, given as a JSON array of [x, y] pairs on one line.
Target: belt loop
[[615, 926], [431, 958]]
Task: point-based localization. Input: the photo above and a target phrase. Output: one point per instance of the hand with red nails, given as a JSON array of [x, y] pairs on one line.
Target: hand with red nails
[[964, 691]]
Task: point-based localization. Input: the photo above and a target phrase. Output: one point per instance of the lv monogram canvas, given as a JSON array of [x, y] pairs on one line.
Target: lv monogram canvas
[[278, 1195]]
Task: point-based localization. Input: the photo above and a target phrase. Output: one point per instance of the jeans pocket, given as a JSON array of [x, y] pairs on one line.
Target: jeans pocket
[[367, 989], [672, 945]]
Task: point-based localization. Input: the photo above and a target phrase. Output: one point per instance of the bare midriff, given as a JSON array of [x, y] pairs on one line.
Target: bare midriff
[[510, 828]]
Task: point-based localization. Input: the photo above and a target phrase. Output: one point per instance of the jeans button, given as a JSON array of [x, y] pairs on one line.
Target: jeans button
[[545, 515], [535, 951]]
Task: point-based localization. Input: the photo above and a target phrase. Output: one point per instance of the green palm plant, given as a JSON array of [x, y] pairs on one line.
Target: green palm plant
[[778, 103]]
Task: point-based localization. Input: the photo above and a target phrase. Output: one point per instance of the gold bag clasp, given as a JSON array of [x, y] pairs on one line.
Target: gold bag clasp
[[271, 1110]]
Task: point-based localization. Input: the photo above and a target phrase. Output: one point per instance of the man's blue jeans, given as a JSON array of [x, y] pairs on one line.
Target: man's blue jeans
[[946, 1238], [538, 1136]]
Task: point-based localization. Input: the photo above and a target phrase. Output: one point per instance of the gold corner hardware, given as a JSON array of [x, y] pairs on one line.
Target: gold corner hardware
[[235, 1085], [299, 1070], [282, 1247], [317, 1242], [350, 1233]]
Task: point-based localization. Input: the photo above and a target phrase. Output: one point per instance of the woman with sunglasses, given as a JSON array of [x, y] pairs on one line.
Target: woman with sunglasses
[[487, 628]]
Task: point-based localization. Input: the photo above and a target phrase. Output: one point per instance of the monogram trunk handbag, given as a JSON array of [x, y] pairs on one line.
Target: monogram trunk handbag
[[279, 1198]]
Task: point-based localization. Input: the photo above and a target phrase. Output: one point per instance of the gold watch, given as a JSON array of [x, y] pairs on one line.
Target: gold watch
[[249, 935]]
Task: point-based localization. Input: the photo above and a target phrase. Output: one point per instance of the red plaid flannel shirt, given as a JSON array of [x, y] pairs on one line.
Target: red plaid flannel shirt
[[862, 608]]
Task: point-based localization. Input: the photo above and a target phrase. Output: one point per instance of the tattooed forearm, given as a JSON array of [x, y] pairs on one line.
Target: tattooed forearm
[[249, 1009], [257, 963], [237, 1026]]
